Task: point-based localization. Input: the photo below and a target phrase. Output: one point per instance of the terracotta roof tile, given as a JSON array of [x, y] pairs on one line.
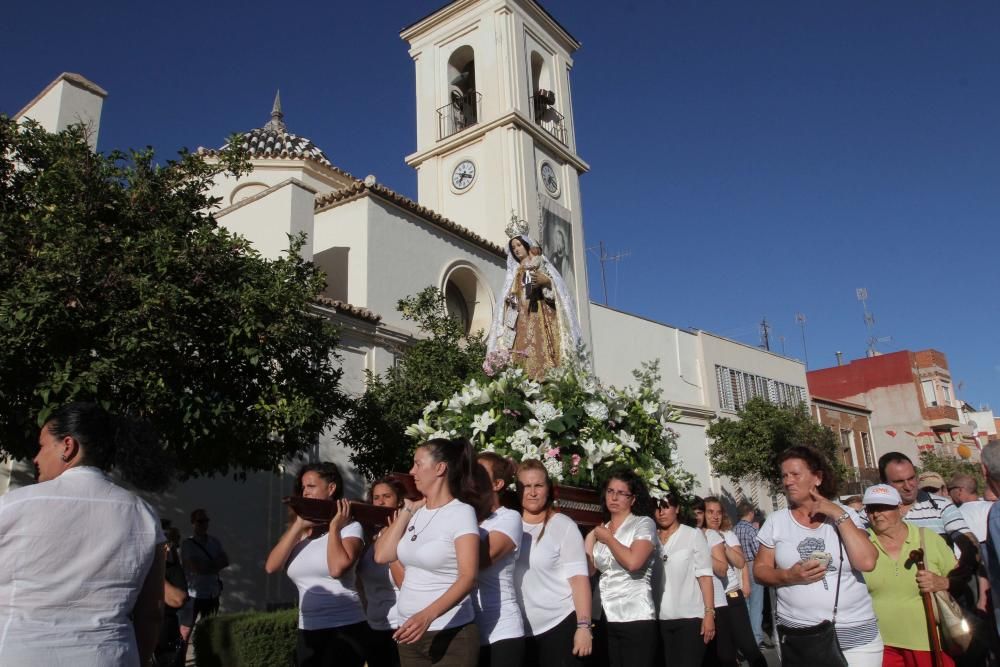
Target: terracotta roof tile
[[348, 309], [368, 186]]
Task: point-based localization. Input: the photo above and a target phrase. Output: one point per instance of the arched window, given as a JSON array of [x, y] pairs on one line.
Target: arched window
[[467, 297], [462, 109]]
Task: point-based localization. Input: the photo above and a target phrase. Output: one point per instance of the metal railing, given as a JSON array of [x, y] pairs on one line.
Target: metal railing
[[550, 120], [463, 111]]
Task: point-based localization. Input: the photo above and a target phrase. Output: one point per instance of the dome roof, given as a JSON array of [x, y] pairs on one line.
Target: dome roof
[[275, 141]]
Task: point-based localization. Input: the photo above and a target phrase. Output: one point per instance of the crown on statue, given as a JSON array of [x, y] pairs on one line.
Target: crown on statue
[[516, 227]]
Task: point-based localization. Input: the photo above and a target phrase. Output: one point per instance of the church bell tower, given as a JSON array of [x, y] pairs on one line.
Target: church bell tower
[[495, 131]]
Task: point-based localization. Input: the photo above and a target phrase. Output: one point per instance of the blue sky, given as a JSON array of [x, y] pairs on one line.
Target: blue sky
[[754, 158]]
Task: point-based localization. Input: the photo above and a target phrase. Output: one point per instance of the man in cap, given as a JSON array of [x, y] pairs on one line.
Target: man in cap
[[931, 482]]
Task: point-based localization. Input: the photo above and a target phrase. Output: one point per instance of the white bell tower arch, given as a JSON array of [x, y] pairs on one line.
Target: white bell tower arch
[[495, 130]]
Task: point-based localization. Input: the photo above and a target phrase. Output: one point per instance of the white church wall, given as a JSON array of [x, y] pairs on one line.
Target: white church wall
[[268, 220], [622, 342], [345, 227], [406, 254]]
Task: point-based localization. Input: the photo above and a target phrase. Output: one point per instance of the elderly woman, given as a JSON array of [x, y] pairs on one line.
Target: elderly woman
[[813, 554], [83, 559], [895, 584]]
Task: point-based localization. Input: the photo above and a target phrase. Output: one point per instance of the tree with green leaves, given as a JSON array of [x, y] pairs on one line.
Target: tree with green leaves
[[432, 369], [117, 285], [747, 447]]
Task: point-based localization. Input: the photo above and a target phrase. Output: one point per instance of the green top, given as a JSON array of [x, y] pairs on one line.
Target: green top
[[893, 587]]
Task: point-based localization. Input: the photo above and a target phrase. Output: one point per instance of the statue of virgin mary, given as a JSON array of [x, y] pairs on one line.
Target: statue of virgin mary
[[535, 320]]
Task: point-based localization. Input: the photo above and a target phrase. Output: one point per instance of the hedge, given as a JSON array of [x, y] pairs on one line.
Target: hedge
[[247, 639]]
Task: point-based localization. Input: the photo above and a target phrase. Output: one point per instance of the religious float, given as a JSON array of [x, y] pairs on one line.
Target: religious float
[[541, 400]]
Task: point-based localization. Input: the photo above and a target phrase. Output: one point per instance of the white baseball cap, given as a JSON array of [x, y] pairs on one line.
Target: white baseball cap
[[882, 494]]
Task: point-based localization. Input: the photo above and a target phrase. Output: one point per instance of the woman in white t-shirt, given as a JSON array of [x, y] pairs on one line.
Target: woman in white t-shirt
[[437, 541], [551, 576], [805, 549], [501, 631], [732, 621], [622, 551], [682, 587], [380, 584], [320, 561]]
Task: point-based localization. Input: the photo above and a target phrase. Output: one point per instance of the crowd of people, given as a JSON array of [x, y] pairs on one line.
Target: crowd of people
[[460, 578]]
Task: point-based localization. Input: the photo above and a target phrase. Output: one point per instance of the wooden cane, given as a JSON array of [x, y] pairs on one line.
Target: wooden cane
[[937, 655]]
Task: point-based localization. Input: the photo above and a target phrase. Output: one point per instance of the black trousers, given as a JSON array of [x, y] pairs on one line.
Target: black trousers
[[554, 647], [381, 650], [503, 653], [733, 633], [681, 642], [343, 646], [631, 643]]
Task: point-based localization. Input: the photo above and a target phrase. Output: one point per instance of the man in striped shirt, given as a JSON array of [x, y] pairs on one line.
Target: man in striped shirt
[[920, 507]]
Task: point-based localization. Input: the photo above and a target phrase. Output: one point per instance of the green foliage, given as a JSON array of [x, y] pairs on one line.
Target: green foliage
[[247, 639], [746, 448], [948, 467], [433, 368], [580, 430], [117, 285]]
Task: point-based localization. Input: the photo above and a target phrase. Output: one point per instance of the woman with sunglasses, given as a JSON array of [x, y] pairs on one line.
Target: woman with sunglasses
[[682, 586], [895, 585], [621, 549]]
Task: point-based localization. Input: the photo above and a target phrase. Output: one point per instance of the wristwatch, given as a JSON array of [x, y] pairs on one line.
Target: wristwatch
[[841, 519]]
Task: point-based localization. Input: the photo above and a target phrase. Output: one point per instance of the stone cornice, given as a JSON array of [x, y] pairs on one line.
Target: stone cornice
[[512, 117], [260, 195]]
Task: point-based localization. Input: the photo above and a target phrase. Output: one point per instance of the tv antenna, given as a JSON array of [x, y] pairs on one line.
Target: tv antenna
[[765, 334], [872, 340], [603, 257], [800, 319]]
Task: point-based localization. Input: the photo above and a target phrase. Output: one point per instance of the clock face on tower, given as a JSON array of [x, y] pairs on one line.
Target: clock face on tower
[[549, 179], [464, 174]]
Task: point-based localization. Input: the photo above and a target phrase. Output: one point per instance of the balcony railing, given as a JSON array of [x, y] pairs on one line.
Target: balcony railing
[[548, 119], [463, 111]]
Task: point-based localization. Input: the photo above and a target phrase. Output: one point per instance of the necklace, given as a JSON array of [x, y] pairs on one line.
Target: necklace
[[413, 527]]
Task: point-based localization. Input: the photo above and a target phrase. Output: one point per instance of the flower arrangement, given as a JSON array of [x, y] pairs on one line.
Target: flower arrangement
[[580, 430]]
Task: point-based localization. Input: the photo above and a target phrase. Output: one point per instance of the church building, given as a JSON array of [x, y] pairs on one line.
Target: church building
[[495, 141]]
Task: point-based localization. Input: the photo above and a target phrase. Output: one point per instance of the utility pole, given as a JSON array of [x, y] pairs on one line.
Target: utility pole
[[800, 319], [765, 334], [603, 257]]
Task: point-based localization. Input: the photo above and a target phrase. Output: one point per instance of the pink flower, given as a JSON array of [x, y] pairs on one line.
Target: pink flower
[[552, 453], [575, 459], [574, 470]]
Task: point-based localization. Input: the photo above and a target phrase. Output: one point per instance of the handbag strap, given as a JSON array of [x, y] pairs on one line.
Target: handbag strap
[[836, 597]]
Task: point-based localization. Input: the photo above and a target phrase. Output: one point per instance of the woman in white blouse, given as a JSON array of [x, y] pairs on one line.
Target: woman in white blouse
[[733, 631], [380, 584], [551, 576], [622, 551], [501, 631], [683, 587], [320, 561], [437, 541]]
